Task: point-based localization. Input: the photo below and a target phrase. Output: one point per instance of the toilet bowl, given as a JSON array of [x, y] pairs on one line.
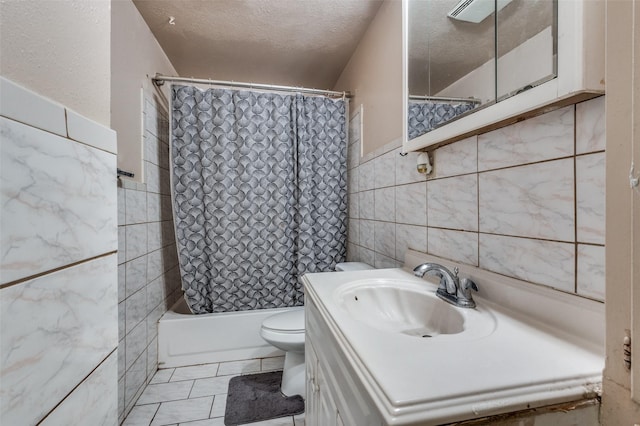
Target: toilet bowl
[[286, 331]]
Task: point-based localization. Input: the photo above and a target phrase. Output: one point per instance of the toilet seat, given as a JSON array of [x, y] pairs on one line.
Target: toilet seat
[[291, 322], [286, 331]]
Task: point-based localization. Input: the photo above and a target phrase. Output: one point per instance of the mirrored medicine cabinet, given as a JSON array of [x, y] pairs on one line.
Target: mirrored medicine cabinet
[[471, 66]]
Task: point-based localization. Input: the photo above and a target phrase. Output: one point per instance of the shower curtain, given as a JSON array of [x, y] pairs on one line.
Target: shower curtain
[[259, 194], [424, 116]]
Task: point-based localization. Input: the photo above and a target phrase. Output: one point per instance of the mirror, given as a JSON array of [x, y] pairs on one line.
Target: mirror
[[463, 57], [527, 46]]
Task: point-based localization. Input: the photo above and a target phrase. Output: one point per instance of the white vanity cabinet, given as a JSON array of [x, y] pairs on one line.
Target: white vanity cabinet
[[335, 395], [320, 407], [360, 372]]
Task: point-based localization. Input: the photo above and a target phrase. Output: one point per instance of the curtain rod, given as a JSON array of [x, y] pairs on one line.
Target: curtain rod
[[159, 80], [445, 99]]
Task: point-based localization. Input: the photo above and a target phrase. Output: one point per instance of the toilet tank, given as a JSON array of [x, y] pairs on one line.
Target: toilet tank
[[353, 266]]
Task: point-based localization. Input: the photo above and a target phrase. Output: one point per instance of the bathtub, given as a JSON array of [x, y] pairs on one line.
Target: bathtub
[[188, 339]]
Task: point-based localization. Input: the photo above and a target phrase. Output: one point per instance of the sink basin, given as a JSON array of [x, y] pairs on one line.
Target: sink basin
[[400, 307]]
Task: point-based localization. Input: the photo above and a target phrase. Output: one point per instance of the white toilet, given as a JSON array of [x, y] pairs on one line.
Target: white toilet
[[285, 331]]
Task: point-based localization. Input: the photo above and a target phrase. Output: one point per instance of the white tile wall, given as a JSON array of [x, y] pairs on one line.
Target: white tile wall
[[590, 208], [455, 245], [88, 402], [64, 325], [591, 272], [516, 201], [540, 138], [366, 208], [385, 238], [367, 234], [411, 204], [151, 279], [25, 106], [590, 126], [384, 202], [536, 201], [410, 237], [366, 176], [384, 168], [457, 158], [89, 132], [453, 202], [47, 176], [59, 236], [135, 310], [550, 263]]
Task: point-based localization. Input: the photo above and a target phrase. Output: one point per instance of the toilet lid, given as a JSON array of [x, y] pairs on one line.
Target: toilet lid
[[286, 322], [353, 266]]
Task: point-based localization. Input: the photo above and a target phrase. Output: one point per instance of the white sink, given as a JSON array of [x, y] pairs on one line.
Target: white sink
[[410, 308], [522, 347]]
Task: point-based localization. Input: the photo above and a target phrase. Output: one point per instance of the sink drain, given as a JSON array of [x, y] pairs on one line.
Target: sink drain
[[421, 332]]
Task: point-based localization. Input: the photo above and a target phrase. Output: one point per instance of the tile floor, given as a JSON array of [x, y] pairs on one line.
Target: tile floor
[[197, 395]]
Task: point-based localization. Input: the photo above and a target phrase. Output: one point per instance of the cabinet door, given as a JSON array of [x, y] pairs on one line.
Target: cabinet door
[[327, 410], [311, 404]]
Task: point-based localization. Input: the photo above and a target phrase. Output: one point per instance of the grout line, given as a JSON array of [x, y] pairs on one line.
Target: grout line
[[193, 384], [601, 151], [213, 401], [575, 202], [478, 197], [155, 413], [78, 385], [566, 157], [485, 233], [57, 269]]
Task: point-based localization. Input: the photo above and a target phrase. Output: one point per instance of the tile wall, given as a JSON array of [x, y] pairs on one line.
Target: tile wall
[[148, 274], [525, 201], [58, 291]]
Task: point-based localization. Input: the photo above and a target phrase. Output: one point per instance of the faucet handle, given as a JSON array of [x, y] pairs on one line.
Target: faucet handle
[[466, 285]]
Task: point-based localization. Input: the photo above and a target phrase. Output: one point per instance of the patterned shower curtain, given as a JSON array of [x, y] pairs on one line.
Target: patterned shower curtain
[[259, 194], [424, 116]]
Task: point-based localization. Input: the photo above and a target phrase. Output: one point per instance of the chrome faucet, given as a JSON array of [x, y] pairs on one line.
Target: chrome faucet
[[451, 289]]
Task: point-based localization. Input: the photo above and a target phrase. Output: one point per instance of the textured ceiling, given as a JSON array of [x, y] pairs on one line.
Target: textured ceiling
[[287, 42]]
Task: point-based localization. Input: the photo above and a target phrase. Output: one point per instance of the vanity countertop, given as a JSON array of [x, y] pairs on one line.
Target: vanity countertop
[[522, 363]]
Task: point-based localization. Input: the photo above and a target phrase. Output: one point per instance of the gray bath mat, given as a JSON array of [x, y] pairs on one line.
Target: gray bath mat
[[257, 397]]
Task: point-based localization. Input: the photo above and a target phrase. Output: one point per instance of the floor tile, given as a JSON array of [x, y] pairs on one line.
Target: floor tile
[[282, 421], [195, 372], [162, 376], [208, 422], [219, 405], [212, 386], [165, 392], [195, 396], [275, 363], [141, 415], [183, 411], [239, 367]]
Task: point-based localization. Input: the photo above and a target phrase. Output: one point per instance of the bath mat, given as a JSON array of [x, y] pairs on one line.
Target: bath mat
[[257, 397]]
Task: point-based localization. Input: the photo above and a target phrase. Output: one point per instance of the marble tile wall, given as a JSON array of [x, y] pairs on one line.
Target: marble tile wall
[[526, 201], [148, 275], [58, 285]]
